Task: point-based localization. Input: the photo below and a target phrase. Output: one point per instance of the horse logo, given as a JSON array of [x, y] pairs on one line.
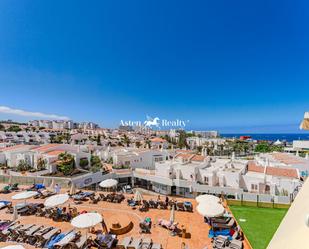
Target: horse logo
[[150, 122]]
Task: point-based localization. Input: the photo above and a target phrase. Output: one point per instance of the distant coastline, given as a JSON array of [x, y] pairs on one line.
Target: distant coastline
[[289, 137]]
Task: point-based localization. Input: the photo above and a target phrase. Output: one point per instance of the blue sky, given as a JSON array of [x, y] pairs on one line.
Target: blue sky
[[236, 66]]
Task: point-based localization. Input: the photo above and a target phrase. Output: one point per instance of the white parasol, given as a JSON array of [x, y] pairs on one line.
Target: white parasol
[[56, 200], [13, 247], [210, 210], [86, 220], [108, 183], [24, 195], [207, 199]]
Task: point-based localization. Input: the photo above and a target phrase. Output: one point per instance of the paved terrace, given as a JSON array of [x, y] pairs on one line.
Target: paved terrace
[[114, 212]]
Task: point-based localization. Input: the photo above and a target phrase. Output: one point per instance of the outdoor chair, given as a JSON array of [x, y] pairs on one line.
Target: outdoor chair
[[180, 206], [146, 243], [124, 243], [156, 246], [135, 243]]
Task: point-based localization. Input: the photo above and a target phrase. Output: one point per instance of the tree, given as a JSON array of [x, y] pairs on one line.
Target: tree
[[2, 128], [14, 128], [138, 144], [99, 140], [66, 163], [126, 140], [95, 163], [263, 147], [41, 164], [182, 140], [83, 162], [23, 165]]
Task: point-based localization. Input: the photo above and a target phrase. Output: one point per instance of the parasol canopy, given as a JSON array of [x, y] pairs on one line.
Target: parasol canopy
[[56, 200], [108, 183], [24, 195], [86, 220], [13, 247], [210, 210], [207, 199]]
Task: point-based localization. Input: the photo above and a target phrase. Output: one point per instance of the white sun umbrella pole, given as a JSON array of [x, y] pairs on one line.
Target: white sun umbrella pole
[[73, 189], [52, 185], [45, 182], [56, 200], [172, 217], [15, 214]]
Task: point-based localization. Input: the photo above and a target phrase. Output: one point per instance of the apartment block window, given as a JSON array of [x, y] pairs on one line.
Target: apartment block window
[[254, 187], [158, 159], [206, 180]]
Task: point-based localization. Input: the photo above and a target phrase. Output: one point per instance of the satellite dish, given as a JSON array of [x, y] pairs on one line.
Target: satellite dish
[[307, 220]]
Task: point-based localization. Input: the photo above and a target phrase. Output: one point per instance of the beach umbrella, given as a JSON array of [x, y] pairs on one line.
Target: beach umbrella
[[13, 247], [24, 195], [15, 214], [72, 189], [108, 183], [86, 220], [138, 196], [52, 185], [56, 200], [207, 199], [172, 217], [210, 210], [305, 123]]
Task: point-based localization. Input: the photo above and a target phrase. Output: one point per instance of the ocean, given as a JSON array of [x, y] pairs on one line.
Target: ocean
[[271, 137]]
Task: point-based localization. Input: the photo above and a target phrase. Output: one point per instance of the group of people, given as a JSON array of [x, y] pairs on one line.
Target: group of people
[[63, 213]]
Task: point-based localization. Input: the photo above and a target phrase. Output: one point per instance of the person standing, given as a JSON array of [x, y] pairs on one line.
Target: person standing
[[57, 189]]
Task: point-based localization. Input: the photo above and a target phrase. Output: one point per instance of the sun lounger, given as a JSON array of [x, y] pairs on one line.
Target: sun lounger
[[156, 246], [135, 243], [124, 243], [180, 206], [81, 242], [106, 241], [42, 237], [235, 244], [53, 240], [146, 243], [70, 236], [4, 204]]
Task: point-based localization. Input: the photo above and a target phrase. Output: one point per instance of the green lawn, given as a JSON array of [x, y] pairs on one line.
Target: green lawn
[[260, 224]]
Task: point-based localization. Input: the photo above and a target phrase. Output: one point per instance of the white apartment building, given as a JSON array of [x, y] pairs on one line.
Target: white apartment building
[[137, 158], [195, 142], [31, 154]]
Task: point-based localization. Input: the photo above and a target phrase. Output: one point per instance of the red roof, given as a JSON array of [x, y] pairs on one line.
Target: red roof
[[274, 171]]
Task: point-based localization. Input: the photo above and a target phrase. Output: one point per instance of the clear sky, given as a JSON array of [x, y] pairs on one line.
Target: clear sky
[[236, 66]]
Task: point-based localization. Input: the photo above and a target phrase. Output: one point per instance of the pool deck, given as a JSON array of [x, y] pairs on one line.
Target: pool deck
[[122, 213]]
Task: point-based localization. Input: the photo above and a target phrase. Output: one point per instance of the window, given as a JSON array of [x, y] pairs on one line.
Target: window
[[158, 159], [206, 180], [254, 187]]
